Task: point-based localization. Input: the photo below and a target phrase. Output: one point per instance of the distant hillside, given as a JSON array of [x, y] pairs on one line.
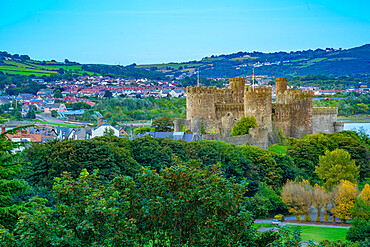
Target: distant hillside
[[23, 65], [354, 62]]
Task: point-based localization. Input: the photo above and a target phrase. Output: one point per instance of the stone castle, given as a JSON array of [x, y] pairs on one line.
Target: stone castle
[[212, 112]]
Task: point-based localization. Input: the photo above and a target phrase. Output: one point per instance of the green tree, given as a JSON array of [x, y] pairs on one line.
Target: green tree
[[143, 130], [31, 114], [108, 94], [10, 182], [58, 94], [86, 214], [54, 113], [18, 115], [243, 125], [163, 124], [51, 159], [336, 166]]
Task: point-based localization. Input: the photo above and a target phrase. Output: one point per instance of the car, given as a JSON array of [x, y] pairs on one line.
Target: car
[[276, 222]]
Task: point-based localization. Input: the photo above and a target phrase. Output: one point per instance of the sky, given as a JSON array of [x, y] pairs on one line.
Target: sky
[[148, 31]]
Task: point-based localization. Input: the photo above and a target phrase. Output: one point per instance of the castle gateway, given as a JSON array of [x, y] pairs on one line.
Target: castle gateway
[[211, 113]]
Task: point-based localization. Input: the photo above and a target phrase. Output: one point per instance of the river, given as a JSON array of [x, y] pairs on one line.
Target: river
[[357, 126]]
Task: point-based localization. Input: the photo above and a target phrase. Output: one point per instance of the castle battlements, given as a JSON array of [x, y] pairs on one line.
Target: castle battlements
[[257, 90], [324, 110], [201, 90]]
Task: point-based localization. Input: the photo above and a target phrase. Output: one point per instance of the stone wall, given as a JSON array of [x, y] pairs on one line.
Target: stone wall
[[281, 117], [258, 103], [324, 120]]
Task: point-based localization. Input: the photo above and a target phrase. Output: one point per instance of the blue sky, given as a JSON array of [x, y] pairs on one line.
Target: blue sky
[[147, 31]]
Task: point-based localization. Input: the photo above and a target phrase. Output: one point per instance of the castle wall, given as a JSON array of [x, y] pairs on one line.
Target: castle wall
[[324, 120], [178, 122], [235, 109], [281, 87], [281, 117], [257, 102]]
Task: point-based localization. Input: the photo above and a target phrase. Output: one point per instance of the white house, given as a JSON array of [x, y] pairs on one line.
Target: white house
[[104, 128]]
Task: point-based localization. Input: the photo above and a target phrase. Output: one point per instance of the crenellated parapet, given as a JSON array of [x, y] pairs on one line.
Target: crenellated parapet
[[324, 110]]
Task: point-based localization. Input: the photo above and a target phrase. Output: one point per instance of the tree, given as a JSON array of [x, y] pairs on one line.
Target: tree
[[361, 210], [31, 114], [54, 113], [143, 130], [298, 197], [58, 94], [336, 166], [108, 132], [61, 71], [86, 214], [243, 125], [345, 195], [163, 124], [181, 205], [319, 200], [10, 182], [108, 94], [18, 115]]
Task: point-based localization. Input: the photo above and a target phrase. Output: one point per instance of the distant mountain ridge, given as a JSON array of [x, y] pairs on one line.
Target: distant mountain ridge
[[354, 62]]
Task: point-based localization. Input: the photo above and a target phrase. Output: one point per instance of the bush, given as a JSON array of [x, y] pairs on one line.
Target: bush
[[338, 243], [359, 231], [280, 217], [264, 238], [243, 125]]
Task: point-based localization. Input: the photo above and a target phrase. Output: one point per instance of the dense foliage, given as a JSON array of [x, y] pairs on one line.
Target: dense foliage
[[182, 205], [127, 109]]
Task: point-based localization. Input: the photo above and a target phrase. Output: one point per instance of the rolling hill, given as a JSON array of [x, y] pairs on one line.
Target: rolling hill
[[354, 62]]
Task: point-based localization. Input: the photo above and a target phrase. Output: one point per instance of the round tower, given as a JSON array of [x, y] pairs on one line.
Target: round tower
[[258, 102], [281, 84], [200, 102], [237, 85], [281, 87]]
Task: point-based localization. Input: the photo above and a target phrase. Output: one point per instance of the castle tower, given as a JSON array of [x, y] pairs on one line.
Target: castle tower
[[200, 102], [238, 86], [258, 102], [281, 87], [300, 112]]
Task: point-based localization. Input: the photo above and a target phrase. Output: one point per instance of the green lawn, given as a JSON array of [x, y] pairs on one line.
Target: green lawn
[[57, 124], [278, 149], [315, 233]]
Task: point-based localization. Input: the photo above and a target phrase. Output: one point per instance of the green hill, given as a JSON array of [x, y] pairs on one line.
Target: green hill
[[354, 62], [24, 65]]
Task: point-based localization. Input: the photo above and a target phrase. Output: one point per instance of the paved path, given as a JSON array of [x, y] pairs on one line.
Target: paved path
[[299, 224]]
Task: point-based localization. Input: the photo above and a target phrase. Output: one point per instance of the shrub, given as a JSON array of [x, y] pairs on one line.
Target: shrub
[[359, 231], [279, 217]]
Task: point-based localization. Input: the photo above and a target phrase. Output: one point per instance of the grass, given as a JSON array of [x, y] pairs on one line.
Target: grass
[[56, 124], [355, 119], [278, 149], [314, 233], [317, 234]]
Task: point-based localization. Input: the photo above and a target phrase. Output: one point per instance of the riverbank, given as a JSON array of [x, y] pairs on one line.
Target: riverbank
[[355, 119]]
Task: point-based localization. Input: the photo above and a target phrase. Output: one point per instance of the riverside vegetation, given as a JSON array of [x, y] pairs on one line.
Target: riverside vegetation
[[111, 191]]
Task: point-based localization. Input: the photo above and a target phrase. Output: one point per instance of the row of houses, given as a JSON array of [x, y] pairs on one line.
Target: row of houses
[[44, 133]]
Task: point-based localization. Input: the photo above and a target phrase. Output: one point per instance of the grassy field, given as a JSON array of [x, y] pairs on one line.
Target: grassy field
[[38, 68], [315, 233], [355, 119], [278, 149], [56, 124]]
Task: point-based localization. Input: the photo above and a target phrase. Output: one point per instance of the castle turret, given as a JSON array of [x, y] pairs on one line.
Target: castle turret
[[238, 86], [281, 87], [257, 102]]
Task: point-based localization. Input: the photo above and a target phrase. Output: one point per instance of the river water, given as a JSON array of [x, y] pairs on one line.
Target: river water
[[357, 126]]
